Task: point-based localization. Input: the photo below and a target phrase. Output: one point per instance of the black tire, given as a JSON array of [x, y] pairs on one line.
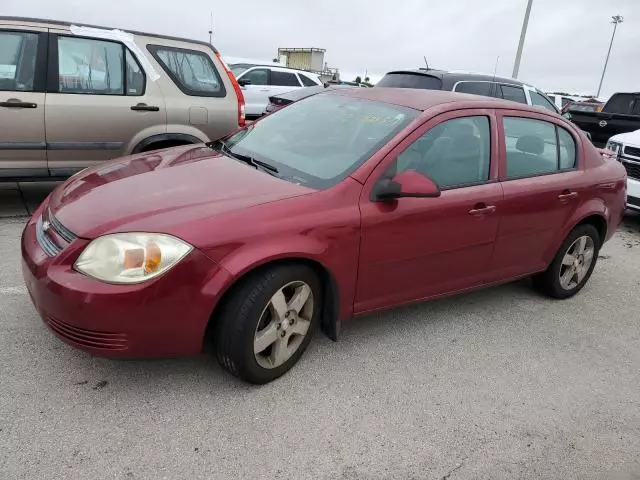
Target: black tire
[[241, 312], [548, 282]]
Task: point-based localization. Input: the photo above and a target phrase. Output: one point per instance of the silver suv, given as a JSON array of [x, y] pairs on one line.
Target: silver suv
[[72, 96]]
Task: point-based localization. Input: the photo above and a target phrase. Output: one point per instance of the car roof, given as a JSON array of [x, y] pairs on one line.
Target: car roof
[[422, 99], [31, 20], [461, 76]]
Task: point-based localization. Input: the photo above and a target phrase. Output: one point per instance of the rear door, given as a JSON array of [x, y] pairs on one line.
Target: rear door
[[283, 81], [22, 101], [99, 102], [542, 187]]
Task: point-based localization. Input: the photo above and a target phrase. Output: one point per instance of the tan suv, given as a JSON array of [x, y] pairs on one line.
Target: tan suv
[[72, 96]]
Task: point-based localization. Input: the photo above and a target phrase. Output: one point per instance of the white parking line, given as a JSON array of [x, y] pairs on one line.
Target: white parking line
[[19, 290]]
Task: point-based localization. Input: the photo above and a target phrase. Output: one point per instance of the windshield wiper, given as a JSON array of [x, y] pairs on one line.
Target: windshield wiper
[[259, 164]]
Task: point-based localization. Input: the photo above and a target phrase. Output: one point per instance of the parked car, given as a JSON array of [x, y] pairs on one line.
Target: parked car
[[582, 107], [276, 102], [621, 114], [259, 82], [463, 82], [343, 203], [626, 148], [100, 93], [561, 101]]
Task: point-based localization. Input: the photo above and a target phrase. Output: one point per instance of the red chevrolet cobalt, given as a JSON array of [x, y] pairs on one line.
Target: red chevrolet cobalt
[[343, 203]]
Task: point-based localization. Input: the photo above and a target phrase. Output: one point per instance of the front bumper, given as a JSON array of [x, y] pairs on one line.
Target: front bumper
[[633, 194], [166, 316]]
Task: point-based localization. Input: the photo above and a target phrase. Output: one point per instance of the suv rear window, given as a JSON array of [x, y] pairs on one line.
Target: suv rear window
[[192, 71], [410, 80]]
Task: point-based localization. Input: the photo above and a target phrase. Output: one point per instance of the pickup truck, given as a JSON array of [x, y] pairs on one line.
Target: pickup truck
[[626, 149], [621, 114]]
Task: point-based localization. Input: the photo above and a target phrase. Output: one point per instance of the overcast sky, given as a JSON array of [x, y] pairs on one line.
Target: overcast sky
[[566, 43]]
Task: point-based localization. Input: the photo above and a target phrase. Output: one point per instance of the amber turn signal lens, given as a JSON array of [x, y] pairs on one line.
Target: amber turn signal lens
[[153, 258]]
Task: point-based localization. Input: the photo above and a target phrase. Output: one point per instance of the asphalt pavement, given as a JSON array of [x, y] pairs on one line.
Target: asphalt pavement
[[499, 383]]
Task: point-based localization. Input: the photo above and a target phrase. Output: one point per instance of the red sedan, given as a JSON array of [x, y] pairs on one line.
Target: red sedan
[[343, 203]]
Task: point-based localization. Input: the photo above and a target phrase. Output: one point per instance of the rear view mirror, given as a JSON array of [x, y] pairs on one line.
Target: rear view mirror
[[243, 82], [408, 183]]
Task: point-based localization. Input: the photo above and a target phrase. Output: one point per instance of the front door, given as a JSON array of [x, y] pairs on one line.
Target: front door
[[256, 93], [415, 248], [100, 103], [542, 189], [22, 102]]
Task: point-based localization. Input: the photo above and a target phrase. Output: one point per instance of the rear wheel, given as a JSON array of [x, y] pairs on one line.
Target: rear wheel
[[268, 321], [572, 265]]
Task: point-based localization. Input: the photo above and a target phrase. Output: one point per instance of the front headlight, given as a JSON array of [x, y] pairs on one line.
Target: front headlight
[[131, 257]]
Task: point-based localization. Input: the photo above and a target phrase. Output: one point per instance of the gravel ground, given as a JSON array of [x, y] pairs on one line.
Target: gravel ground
[[500, 383]]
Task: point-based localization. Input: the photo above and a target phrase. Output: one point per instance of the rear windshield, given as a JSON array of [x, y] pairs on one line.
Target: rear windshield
[[410, 80], [623, 103]]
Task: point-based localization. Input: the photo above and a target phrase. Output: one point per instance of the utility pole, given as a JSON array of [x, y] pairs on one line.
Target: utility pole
[[211, 30], [523, 33], [616, 19]]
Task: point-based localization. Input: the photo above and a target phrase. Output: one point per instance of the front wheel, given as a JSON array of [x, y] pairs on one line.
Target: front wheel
[[268, 322], [572, 265]]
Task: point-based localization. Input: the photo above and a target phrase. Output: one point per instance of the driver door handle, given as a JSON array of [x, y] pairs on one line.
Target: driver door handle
[[16, 103], [143, 107], [481, 209], [567, 195]]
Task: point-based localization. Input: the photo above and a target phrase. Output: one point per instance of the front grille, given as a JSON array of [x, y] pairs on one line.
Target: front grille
[[88, 338], [633, 151], [633, 169], [52, 235]]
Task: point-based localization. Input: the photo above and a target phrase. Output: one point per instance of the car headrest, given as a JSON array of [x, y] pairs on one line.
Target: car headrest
[[530, 144]]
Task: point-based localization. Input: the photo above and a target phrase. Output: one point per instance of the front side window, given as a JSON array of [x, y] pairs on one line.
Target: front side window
[[257, 76], [541, 101], [17, 61], [320, 140], [192, 71], [90, 66], [534, 148], [513, 93], [284, 79], [454, 153], [476, 88]]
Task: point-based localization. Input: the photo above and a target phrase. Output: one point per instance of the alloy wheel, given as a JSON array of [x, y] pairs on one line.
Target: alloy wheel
[[576, 262]]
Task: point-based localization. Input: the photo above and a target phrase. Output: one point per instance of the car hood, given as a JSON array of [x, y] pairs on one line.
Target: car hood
[[627, 138], [161, 191]]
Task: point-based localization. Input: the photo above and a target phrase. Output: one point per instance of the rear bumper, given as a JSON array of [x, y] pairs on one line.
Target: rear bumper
[[163, 317]]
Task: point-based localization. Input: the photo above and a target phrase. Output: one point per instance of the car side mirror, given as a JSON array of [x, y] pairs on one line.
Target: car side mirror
[[408, 183], [243, 82]]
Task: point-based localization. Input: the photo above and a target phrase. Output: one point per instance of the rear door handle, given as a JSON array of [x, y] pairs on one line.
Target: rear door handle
[[481, 209], [143, 107], [15, 103], [567, 195]]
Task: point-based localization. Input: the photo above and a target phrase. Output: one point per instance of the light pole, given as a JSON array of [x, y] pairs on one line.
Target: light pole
[[523, 33], [616, 19]]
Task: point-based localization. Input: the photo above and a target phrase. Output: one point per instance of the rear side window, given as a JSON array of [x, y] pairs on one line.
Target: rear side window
[[536, 147], [97, 67], [284, 79], [622, 103], [17, 61], [306, 81], [513, 93], [192, 71], [540, 101], [410, 80], [476, 88]]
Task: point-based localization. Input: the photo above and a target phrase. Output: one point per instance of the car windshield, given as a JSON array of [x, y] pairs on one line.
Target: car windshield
[[238, 68], [320, 140]]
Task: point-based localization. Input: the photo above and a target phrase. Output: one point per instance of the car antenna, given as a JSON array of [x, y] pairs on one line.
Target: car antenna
[[425, 61], [495, 69]]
